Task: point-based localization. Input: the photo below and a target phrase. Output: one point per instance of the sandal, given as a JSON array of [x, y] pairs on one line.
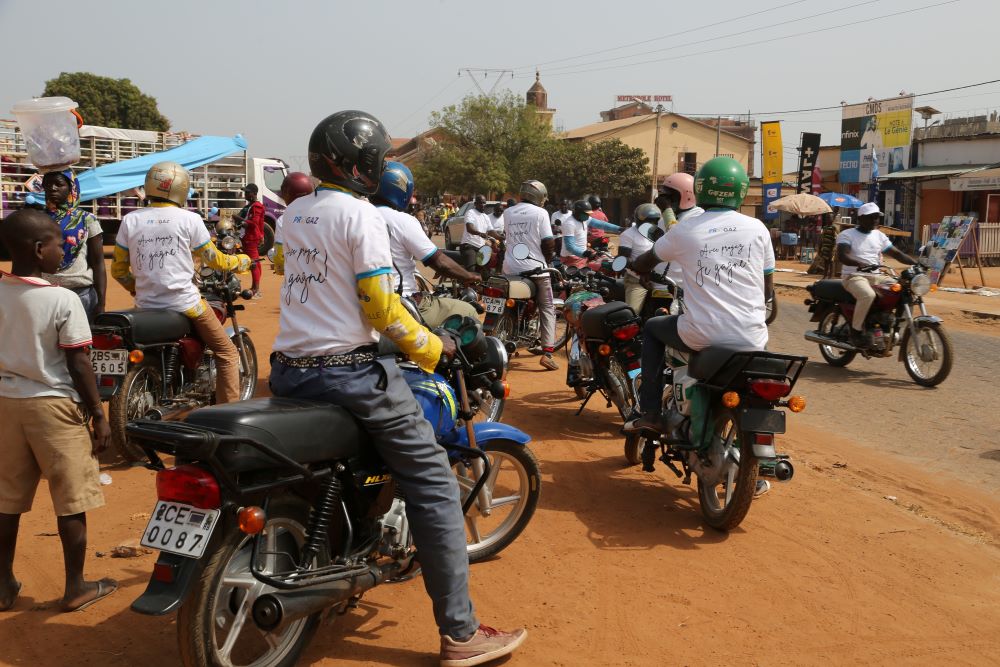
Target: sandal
[[13, 598], [105, 587]]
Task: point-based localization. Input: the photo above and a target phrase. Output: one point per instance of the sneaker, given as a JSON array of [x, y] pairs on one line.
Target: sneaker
[[861, 339], [763, 486], [258, 295], [536, 350], [548, 363], [486, 645]]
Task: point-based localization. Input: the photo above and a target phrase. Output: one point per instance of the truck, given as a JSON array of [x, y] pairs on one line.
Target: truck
[[217, 184]]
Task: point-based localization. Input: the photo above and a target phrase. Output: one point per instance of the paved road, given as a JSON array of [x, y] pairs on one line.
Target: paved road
[[952, 427]]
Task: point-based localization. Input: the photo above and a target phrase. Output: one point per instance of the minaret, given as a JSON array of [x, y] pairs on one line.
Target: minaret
[[538, 97]]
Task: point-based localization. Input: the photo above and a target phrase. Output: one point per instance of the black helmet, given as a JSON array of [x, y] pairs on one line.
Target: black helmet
[[582, 210], [348, 148], [595, 201]]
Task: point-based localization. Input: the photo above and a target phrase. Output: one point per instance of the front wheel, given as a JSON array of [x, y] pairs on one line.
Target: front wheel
[[248, 371], [771, 304], [927, 354], [833, 324], [726, 496], [215, 624], [513, 485], [141, 390]]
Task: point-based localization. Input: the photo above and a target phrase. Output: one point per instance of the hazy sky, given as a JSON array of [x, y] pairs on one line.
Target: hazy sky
[[272, 70]]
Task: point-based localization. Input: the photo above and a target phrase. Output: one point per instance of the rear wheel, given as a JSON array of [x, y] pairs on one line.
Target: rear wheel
[[725, 498], [504, 329], [513, 485], [619, 388], [833, 325], [267, 242], [771, 304], [927, 355], [215, 626], [141, 390]]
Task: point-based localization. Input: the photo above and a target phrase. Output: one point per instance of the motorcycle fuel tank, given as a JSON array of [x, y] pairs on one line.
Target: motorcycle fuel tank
[[436, 397]]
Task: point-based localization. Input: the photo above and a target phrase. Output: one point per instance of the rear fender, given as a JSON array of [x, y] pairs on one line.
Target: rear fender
[[487, 431], [162, 598]]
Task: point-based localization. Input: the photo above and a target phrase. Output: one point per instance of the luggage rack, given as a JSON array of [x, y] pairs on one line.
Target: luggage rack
[[740, 362]]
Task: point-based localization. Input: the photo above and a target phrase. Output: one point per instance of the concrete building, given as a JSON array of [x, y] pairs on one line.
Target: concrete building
[[538, 97]]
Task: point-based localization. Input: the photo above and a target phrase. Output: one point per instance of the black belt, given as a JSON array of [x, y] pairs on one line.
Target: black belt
[[361, 355]]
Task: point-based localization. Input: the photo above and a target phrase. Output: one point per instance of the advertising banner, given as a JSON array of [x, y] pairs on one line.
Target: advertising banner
[[808, 155], [772, 191], [770, 147], [882, 126]]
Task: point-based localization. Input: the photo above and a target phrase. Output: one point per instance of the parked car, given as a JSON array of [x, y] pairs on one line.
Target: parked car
[[455, 225]]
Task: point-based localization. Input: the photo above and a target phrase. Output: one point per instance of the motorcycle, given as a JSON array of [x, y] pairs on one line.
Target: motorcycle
[[279, 513], [511, 312], [151, 363], [605, 343], [722, 419], [924, 347]]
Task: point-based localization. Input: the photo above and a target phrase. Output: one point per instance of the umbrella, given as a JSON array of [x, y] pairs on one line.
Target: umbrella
[[841, 200], [801, 204]]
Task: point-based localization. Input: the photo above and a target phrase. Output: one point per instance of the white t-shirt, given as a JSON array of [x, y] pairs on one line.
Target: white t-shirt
[[575, 230], [723, 256], [330, 241], [558, 217], [408, 243], [527, 224], [39, 322], [160, 241], [79, 273], [866, 248], [481, 223], [496, 222]]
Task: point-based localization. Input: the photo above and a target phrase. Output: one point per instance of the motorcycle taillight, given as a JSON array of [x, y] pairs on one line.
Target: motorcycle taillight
[[492, 291], [190, 485], [108, 342], [626, 332], [770, 390]]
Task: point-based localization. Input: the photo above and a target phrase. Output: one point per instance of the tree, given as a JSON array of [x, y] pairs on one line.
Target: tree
[[108, 102], [570, 169]]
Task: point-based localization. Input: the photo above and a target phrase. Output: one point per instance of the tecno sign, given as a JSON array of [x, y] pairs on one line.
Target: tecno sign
[[646, 98]]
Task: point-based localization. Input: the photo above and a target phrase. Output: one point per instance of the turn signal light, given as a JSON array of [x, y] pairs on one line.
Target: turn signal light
[[251, 519], [510, 303], [604, 349], [136, 356], [934, 288], [506, 389], [797, 403], [730, 399], [896, 288]]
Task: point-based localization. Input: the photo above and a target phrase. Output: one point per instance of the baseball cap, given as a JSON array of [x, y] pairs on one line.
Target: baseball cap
[[869, 209]]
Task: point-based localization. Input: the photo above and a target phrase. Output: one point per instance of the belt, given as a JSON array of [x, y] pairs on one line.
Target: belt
[[361, 355]]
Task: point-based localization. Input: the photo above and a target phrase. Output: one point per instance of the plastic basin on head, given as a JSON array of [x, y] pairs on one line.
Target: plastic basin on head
[[50, 131]]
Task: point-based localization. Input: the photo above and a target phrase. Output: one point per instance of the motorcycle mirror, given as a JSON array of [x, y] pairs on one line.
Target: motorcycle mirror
[[650, 231], [483, 255], [270, 255], [619, 264], [246, 294], [520, 251]]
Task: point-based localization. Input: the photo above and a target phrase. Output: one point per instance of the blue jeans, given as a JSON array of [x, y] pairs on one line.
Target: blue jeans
[[377, 395], [657, 334], [88, 297]]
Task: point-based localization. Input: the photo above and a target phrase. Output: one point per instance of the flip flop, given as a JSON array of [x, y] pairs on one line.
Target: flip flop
[[105, 587], [13, 599]]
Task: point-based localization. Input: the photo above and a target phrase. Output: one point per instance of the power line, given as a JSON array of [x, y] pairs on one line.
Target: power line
[[656, 39], [762, 41], [431, 99]]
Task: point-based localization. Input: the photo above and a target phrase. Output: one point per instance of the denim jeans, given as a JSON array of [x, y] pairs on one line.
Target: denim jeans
[[88, 297], [658, 334], [377, 395]]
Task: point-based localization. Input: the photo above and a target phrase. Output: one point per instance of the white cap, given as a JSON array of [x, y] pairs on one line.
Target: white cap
[[869, 209]]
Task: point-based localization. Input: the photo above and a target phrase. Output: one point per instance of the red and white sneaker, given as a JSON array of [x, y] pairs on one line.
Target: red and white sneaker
[[486, 645]]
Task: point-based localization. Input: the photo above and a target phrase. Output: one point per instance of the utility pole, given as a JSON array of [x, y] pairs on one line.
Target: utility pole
[[718, 134], [656, 147]]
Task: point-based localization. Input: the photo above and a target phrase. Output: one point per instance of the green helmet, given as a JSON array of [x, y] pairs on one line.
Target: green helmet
[[721, 183]]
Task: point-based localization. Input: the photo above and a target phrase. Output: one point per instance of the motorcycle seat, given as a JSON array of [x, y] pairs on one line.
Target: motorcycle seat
[[306, 431], [719, 365], [453, 255], [148, 327], [831, 290], [598, 322]]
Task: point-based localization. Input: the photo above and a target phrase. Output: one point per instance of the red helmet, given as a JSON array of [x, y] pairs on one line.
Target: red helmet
[[295, 185], [684, 184]]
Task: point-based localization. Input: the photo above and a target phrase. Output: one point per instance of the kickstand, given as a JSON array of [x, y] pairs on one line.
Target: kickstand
[[585, 401]]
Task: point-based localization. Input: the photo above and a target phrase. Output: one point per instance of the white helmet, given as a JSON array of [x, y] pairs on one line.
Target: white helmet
[[534, 192]]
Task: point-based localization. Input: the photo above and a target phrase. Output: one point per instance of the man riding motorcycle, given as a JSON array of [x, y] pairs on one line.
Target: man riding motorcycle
[[727, 263], [527, 222], [575, 230], [153, 261], [595, 235], [478, 230], [860, 250], [632, 243], [677, 193], [409, 243], [337, 296]]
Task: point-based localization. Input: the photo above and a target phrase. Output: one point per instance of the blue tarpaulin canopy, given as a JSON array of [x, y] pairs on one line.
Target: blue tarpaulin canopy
[[120, 176]]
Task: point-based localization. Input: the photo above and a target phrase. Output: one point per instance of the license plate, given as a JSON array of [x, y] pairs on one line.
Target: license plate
[[109, 362], [494, 304], [764, 421], [179, 529]]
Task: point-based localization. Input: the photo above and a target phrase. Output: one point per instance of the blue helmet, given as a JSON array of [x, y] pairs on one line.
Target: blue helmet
[[396, 185]]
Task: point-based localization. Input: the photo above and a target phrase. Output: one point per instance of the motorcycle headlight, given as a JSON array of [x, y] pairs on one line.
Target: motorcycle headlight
[[921, 285], [228, 243]]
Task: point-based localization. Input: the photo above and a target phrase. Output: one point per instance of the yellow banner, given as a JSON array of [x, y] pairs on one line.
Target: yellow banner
[[771, 151]]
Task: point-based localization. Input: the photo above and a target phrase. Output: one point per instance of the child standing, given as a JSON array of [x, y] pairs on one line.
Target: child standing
[[47, 389]]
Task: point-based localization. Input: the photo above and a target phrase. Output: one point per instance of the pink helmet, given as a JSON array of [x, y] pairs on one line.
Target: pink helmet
[[684, 184]]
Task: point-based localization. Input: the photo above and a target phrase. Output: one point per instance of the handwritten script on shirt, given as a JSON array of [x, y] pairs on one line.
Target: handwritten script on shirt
[[718, 261], [303, 267]]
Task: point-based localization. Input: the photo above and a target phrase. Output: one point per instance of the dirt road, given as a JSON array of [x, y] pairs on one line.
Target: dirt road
[[862, 559]]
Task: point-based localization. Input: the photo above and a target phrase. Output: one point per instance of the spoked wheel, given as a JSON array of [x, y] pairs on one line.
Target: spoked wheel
[[620, 388], [490, 407], [215, 625], [832, 325], [504, 329], [513, 486], [771, 304], [248, 374], [562, 330], [927, 355], [726, 496], [141, 390]]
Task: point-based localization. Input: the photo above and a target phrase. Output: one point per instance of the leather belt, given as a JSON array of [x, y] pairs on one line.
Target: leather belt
[[361, 355]]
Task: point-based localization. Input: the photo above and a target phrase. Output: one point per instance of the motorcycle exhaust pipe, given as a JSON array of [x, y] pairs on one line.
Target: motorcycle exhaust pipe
[[273, 612], [816, 337], [171, 412], [784, 471]]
